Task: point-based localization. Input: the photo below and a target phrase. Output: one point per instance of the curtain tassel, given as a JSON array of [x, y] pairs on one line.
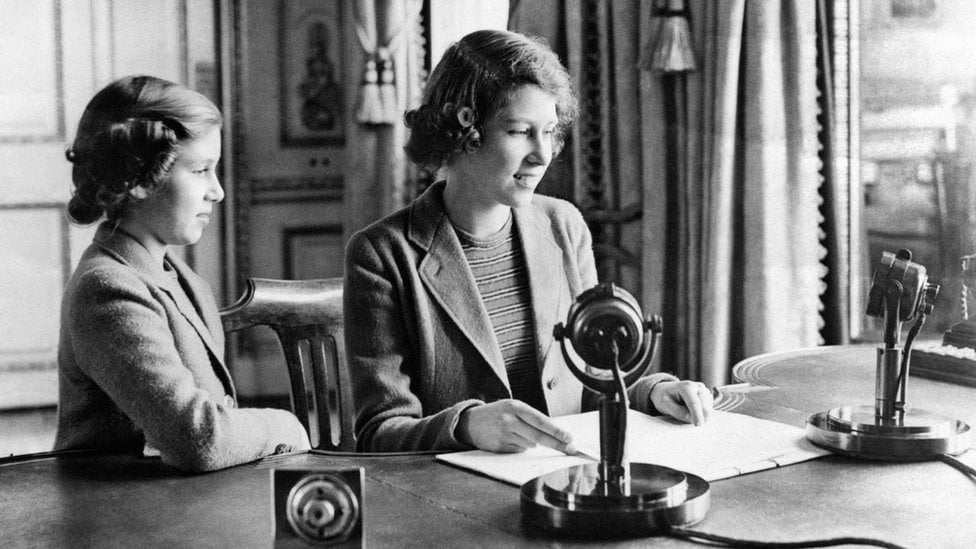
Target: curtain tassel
[[387, 84], [671, 51], [370, 109]]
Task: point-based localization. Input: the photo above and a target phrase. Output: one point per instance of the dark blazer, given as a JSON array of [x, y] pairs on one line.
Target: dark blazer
[[141, 363], [420, 345]]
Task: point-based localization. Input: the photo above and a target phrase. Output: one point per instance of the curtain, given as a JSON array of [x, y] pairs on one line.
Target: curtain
[[391, 57], [747, 265], [701, 187], [835, 177], [612, 168]]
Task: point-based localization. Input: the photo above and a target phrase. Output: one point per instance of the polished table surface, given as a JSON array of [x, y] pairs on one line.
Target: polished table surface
[[77, 500]]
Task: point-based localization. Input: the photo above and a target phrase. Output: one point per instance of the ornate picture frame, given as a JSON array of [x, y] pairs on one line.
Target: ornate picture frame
[[309, 252], [313, 109]]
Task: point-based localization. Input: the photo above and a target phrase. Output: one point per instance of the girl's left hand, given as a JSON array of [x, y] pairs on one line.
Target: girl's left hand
[[689, 401]]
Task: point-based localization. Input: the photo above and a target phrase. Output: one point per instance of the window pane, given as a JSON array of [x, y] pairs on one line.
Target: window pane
[[917, 85]]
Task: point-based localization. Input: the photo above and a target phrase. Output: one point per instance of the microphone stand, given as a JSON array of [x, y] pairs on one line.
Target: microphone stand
[[612, 498], [890, 430], [614, 469], [886, 404]]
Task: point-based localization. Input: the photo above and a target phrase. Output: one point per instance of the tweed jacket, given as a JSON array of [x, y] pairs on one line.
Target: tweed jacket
[[419, 343], [140, 363]]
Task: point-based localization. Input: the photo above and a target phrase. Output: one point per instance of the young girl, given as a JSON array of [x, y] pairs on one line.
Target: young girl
[[450, 303], [140, 359]]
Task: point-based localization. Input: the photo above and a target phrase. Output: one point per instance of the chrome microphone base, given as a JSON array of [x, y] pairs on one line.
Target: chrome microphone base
[[914, 436], [575, 501]]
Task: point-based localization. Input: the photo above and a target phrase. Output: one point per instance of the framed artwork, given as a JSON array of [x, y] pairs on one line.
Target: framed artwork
[[909, 14], [313, 252], [902, 9], [313, 109]]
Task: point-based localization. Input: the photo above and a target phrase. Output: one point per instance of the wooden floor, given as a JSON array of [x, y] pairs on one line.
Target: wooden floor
[[27, 431]]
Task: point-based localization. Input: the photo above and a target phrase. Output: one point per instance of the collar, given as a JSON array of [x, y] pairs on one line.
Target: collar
[[444, 271], [127, 250]]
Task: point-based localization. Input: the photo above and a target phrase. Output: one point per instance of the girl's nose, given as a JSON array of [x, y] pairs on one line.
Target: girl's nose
[[216, 191], [541, 153]]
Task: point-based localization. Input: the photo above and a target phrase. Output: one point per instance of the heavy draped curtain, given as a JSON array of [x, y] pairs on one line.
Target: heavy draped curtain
[[749, 265], [612, 167], [729, 237], [390, 58]]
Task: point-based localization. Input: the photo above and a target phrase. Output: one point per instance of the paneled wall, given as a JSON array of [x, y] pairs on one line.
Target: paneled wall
[[292, 89], [56, 54]]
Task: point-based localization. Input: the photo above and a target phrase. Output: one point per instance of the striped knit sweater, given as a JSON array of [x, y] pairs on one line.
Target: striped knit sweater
[[499, 269]]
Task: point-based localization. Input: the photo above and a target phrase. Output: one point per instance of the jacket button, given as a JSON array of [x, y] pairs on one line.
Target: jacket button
[[553, 381], [229, 401]]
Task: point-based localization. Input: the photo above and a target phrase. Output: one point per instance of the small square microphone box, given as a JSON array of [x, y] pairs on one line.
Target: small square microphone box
[[317, 507]]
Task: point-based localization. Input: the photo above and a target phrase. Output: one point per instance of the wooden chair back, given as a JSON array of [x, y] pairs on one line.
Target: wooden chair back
[[306, 315]]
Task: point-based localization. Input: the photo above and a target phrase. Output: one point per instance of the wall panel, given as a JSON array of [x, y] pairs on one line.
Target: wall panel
[[33, 273], [29, 90], [149, 30]]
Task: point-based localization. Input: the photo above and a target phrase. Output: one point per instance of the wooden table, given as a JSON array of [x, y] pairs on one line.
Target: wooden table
[[76, 500]]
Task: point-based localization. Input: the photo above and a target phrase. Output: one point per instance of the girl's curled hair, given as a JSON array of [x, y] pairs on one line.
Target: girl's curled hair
[[472, 82], [129, 137]]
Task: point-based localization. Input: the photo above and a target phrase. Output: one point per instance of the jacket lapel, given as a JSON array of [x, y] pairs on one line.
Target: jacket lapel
[[129, 251], [547, 280], [187, 302], [445, 272]]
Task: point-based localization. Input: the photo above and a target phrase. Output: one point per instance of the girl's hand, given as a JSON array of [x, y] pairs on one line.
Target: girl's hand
[[509, 426], [689, 401]]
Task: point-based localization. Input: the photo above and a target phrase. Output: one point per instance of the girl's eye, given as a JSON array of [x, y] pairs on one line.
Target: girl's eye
[[519, 132], [202, 171]]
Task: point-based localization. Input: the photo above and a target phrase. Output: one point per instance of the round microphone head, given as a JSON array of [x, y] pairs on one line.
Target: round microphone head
[[601, 317], [899, 268]]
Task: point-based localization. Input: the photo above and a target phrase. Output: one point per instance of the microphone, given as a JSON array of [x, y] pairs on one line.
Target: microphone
[[605, 327], [607, 330], [892, 430], [320, 507]]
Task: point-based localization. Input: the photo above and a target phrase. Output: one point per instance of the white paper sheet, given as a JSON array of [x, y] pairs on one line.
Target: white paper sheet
[[728, 445]]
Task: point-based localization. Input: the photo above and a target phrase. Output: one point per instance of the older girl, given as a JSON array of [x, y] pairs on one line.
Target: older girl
[[450, 303]]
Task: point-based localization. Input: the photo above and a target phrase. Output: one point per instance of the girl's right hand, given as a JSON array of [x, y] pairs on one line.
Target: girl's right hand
[[509, 426]]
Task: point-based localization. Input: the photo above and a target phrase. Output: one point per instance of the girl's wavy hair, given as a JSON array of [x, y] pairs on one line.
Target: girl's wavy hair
[[472, 82], [129, 137]]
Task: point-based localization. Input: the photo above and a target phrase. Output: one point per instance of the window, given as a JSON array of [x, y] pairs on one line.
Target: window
[[912, 94]]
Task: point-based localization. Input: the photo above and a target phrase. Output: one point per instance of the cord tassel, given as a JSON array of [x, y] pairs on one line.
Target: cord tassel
[[387, 86], [370, 110], [671, 50]]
